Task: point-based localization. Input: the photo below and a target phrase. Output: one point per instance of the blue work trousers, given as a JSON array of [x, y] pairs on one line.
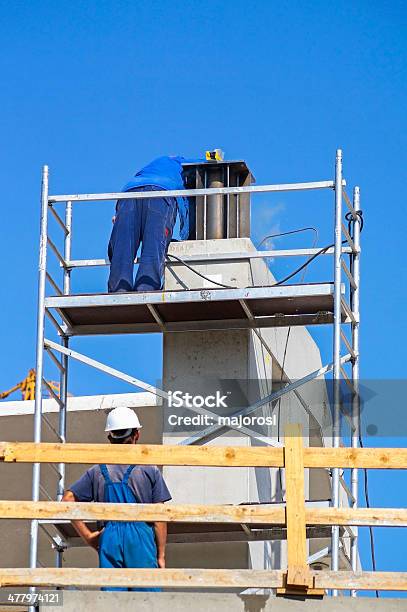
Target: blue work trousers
[[128, 545], [149, 221], [125, 544]]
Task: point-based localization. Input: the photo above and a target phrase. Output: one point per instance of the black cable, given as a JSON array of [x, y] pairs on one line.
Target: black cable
[[286, 344], [297, 231], [198, 273], [367, 500], [297, 271], [351, 219], [304, 265]]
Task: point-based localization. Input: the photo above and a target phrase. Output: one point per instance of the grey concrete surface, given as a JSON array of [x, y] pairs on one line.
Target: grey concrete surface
[[217, 602], [192, 360]]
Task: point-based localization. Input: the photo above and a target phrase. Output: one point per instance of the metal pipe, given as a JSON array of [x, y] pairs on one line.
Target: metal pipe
[[68, 247], [227, 203], [58, 219], [215, 206], [355, 295], [57, 253], [65, 359], [214, 257], [62, 413], [39, 356], [337, 352], [237, 211], [53, 284], [176, 193], [205, 207]]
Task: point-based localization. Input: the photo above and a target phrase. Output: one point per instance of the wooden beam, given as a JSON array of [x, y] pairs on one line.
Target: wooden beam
[[185, 578], [194, 513], [370, 458], [177, 513], [364, 581], [219, 456], [141, 454], [298, 570], [196, 578], [360, 517]]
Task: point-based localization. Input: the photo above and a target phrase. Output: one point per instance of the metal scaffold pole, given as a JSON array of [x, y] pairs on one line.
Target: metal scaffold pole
[[65, 362], [337, 352], [39, 356], [65, 344], [355, 305]]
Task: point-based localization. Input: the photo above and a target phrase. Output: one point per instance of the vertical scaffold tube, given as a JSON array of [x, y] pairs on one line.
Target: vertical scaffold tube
[[39, 356], [355, 372], [337, 352], [65, 342], [63, 395]]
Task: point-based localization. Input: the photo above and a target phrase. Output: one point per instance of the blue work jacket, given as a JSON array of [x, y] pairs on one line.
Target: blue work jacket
[[166, 172]]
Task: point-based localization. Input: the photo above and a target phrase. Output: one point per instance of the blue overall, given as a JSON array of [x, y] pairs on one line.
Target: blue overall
[[125, 544], [149, 221]]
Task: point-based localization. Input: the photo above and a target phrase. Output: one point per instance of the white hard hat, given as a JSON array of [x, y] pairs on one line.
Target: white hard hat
[[122, 418]]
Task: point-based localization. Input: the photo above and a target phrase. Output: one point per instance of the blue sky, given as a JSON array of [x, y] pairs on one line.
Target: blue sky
[[97, 89]]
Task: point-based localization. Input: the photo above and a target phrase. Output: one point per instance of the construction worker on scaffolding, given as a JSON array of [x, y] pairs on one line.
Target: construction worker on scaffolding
[[149, 221], [122, 544]]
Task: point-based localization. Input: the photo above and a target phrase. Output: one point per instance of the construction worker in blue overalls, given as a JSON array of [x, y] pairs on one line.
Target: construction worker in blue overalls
[[149, 221], [120, 544]]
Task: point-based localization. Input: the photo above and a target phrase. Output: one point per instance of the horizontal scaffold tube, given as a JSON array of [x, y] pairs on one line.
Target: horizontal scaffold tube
[[133, 195]]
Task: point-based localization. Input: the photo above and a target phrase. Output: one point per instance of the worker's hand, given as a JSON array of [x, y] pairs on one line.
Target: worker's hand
[[93, 539], [161, 561], [113, 219]]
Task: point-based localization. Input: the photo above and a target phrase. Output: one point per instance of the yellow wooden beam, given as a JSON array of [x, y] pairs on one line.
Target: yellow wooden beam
[[184, 578], [195, 578], [218, 456], [364, 581], [298, 570], [370, 458], [141, 454], [177, 513], [194, 513], [359, 517]]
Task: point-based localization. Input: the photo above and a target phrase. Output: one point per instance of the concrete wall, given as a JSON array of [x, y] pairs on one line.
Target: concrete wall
[[218, 602], [239, 354], [16, 423]]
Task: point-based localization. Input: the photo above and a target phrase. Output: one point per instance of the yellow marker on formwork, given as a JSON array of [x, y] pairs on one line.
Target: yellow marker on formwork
[[215, 155]]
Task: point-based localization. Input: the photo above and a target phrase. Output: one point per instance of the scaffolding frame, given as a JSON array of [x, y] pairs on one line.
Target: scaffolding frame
[[344, 313]]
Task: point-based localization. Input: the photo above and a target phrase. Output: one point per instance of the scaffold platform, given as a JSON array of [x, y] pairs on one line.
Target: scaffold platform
[[204, 309]]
